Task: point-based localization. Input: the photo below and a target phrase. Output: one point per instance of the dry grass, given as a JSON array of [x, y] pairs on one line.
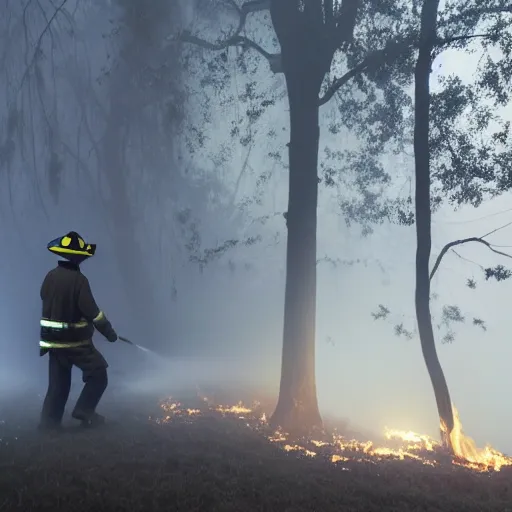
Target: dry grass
[[214, 464]]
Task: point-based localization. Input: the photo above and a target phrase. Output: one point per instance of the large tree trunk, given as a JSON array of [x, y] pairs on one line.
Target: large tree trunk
[[297, 407], [424, 217], [305, 60]]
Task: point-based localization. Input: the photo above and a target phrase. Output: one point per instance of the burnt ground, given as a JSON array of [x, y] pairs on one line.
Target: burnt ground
[[211, 463]]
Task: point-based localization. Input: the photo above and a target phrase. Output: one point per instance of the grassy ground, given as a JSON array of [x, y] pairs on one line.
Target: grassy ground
[[212, 464]]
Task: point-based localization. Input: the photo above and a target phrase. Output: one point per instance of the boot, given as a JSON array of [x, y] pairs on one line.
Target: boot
[[89, 420]]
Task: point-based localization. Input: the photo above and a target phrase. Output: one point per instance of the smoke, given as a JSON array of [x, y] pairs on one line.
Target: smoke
[[209, 311]]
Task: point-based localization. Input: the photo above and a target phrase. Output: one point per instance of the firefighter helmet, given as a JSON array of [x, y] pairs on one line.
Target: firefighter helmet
[[72, 247]]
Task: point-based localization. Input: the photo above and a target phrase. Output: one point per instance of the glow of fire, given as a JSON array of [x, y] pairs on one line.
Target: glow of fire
[[407, 444]]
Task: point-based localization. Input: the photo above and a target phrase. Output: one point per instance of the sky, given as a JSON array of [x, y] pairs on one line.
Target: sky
[[226, 322]]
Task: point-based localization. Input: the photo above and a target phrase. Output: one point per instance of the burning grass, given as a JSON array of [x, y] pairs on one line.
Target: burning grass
[[208, 457], [400, 445]]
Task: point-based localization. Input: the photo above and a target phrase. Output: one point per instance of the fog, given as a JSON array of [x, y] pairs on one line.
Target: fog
[[221, 323]]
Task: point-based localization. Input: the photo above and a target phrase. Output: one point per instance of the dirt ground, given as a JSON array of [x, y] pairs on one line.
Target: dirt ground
[[212, 464]]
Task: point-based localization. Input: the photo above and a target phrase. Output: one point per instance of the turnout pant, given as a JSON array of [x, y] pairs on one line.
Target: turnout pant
[[94, 375]]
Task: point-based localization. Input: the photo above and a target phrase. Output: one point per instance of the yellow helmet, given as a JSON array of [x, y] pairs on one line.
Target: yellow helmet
[[72, 247]]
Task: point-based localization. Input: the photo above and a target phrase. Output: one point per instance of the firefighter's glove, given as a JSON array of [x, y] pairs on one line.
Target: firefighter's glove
[[112, 336]]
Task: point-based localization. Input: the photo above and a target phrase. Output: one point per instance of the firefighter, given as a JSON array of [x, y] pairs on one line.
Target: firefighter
[[69, 317]]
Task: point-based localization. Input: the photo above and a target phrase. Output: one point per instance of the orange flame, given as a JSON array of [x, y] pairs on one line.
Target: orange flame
[[402, 444], [469, 455]]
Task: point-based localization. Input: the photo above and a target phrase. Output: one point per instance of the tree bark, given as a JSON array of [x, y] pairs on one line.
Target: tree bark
[[297, 407], [424, 218], [305, 60]]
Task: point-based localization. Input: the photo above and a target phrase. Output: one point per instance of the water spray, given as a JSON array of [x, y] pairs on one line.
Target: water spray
[[144, 349]]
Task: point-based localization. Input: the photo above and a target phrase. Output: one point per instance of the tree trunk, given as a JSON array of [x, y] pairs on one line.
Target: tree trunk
[[424, 217], [297, 407]]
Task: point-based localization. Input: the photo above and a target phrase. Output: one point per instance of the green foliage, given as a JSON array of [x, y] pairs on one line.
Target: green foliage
[[382, 312], [375, 106], [471, 284], [449, 337], [480, 323], [470, 146], [499, 272], [190, 231], [471, 143], [206, 256], [400, 330], [451, 314]]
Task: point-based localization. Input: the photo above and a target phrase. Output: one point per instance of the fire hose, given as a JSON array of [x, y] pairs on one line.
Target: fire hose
[[129, 342]]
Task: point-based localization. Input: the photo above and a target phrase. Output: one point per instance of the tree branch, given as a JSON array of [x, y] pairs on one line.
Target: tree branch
[[273, 59], [236, 39], [497, 229], [247, 8], [386, 56], [338, 83], [480, 11], [448, 40], [448, 246], [376, 57], [467, 259], [37, 48]]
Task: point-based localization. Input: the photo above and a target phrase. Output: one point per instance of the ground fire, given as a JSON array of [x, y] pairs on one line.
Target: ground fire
[[398, 445]]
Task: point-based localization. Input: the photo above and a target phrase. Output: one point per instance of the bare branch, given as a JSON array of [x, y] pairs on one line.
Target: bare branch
[[496, 230], [467, 259], [236, 39], [245, 165], [247, 8], [448, 246], [37, 48], [443, 42], [274, 60]]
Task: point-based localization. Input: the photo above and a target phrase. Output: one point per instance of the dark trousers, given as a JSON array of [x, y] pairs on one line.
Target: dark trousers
[[94, 374]]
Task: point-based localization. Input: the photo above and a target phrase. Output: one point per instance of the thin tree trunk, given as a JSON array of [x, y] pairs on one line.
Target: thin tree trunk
[[297, 408], [424, 217]]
